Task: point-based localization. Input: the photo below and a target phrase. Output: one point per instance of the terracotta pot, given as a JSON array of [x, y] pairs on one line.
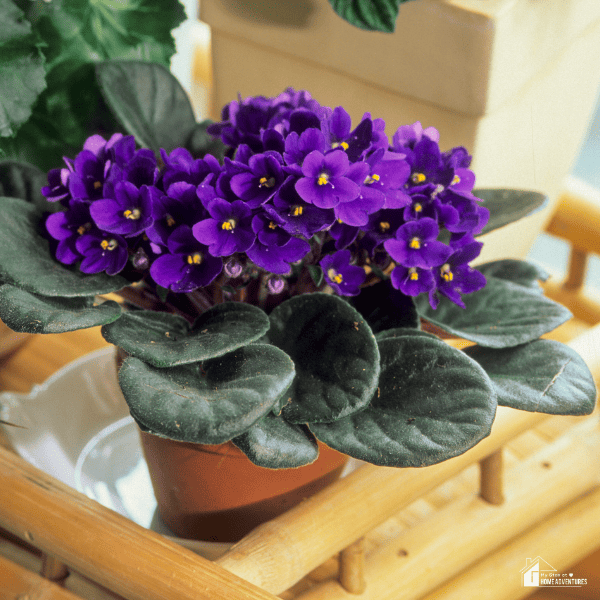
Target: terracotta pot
[[215, 493]]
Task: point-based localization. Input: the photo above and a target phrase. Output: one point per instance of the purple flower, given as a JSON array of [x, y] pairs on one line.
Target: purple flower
[[382, 226], [456, 277], [298, 147], [277, 259], [260, 183], [412, 281], [229, 228], [67, 227], [89, 173], [102, 252], [415, 245], [324, 183], [296, 216], [181, 166], [343, 277], [129, 213], [187, 266], [407, 136], [58, 183]]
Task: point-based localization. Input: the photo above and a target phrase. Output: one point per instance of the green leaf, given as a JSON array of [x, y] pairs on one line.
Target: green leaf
[[274, 443], [401, 332], [22, 74], [316, 274], [517, 271], [501, 315], [377, 15], [507, 206], [29, 313], [25, 181], [26, 261], [385, 307], [335, 354], [543, 376], [149, 102], [166, 340], [433, 402], [210, 402], [200, 142]]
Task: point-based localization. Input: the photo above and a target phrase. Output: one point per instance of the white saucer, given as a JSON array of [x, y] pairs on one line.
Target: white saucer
[[76, 427]]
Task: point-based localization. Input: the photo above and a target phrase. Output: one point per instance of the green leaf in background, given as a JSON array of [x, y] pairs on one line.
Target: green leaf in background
[[385, 307], [401, 332], [274, 443], [335, 354], [501, 315], [29, 313], [433, 402], [543, 376], [377, 15], [200, 142], [149, 102], [22, 73], [517, 271], [166, 340], [25, 181], [507, 206], [210, 402], [26, 260]]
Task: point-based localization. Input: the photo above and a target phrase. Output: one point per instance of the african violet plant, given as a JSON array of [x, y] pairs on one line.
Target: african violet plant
[[284, 288]]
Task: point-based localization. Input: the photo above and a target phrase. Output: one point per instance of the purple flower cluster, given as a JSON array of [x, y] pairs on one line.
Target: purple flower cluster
[[299, 187]]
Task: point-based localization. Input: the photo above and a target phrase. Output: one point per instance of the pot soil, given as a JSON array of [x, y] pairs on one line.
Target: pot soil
[[214, 493]]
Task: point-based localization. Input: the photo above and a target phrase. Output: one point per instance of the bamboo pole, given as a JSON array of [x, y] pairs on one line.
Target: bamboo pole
[[352, 567], [104, 546], [435, 550], [490, 487], [327, 523], [53, 569]]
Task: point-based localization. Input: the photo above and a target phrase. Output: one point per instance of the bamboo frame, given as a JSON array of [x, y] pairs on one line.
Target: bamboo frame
[[78, 534]]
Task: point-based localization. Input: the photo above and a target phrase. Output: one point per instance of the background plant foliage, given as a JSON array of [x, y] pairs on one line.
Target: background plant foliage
[[50, 101]]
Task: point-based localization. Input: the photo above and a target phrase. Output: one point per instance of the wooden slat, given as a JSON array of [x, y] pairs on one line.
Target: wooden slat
[[105, 546]]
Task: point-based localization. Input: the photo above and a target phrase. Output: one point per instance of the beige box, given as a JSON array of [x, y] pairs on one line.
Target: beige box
[[514, 81]]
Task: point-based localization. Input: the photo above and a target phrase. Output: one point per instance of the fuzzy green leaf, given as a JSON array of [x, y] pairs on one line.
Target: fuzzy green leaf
[[25, 181], [501, 315], [210, 402], [166, 340], [433, 402], [26, 261], [374, 15], [517, 271], [274, 443], [201, 143], [148, 101], [507, 206], [335, 354], [543, 376], [29, 313]]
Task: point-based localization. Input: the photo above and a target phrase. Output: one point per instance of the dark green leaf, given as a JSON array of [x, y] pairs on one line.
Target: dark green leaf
[[29, 313], [316, 274], [543, 376], [335, 354], [166, 340], [149, 102], [385, 307], [377, 15], [274, 443], [400, 332], [507, 206], [200, 142], [500, 315], [433, 402], [517, 271], [25, 181], [207, 403], [26, 261]]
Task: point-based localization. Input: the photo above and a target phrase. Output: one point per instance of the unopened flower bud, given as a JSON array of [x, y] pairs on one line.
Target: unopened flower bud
[[233, 268], [140, 260], [276, 285]]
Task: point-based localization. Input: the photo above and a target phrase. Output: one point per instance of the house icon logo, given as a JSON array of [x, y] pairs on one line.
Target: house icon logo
[[536, 572]]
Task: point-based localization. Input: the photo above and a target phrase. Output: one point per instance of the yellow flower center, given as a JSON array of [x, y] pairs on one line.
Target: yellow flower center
[[83, 228], [229, 225], [372, 179], [418, 207], [132, 215], [343, 145], [335, 276], [97, 185], [272, 225], [323, 179], [170, 221], [108, 244], [268, 183], [455, 180], [415, 243], [384, 226], [418, 178], [194, 259], [446, 273], [413, 274], [297, 211]]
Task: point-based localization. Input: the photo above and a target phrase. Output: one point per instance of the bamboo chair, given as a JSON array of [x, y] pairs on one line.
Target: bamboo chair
[[460, 529]]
